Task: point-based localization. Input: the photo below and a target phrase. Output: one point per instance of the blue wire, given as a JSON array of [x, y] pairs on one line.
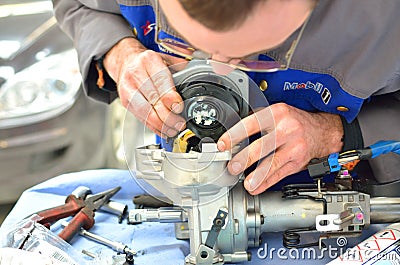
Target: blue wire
[[384, 147]]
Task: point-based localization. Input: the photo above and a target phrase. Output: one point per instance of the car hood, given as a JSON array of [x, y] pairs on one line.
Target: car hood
[[31, 26]]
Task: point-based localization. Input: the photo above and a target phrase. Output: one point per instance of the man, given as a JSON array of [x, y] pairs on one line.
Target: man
[[341, 89]]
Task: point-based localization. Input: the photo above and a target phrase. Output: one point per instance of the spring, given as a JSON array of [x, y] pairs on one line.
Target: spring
[[292, 238]]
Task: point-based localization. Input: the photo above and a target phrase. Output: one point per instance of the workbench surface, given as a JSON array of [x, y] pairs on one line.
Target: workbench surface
[[155, 242]]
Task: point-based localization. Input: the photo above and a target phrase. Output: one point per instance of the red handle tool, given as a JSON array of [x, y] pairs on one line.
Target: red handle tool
[[83, 219], [82, 210], [72, 206]]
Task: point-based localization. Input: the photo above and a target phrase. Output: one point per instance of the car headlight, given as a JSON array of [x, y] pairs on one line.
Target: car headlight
[[41, 91]]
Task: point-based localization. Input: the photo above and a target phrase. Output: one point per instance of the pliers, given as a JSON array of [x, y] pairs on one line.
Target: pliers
[[82, 210]]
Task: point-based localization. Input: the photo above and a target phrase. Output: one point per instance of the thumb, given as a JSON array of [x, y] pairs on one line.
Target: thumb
[[174, 63]]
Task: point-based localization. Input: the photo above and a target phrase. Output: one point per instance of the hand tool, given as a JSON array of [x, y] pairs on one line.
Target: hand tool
[[114, 245], [82, 210], [117, 246], [113, 207]]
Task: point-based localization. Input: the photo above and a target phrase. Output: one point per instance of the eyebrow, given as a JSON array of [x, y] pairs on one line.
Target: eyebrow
[[263, 51]]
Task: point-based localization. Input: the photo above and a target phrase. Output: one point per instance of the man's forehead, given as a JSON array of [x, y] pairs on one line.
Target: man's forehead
[[256, 34], [268, 27]]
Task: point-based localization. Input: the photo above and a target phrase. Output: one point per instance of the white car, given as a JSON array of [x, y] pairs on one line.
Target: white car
[[48, 126]]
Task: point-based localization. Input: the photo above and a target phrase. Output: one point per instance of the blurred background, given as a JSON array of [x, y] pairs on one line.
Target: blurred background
[[47, 125]]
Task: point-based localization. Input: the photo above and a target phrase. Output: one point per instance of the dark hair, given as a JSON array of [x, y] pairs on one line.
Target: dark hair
[[219, 15]]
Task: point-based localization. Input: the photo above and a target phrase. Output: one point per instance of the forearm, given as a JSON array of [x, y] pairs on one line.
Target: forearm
[[332, 125], [94, 32]]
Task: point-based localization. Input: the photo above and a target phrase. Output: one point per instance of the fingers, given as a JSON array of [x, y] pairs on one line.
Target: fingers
[[271, 170], [286, 148], [146, 89], [163, 85], [160, 92], [260, 121], [276, 163], [267, 174], [145, 113], [257, 150], [174, 64]]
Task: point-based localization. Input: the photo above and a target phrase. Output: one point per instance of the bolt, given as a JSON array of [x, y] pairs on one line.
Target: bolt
[[204, 254], [129, 260], [248, 256]]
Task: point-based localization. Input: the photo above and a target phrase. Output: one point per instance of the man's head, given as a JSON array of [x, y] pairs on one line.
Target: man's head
[[254, 25], [222, 15]]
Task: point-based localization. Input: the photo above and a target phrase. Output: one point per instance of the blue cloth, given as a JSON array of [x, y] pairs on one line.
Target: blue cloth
[[155, 242]]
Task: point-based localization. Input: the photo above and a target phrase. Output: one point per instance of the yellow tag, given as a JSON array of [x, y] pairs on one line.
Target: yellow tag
[[181, 141]]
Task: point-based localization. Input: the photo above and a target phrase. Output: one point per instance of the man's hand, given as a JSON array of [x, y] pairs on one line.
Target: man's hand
[[290, 139], [145, 85]]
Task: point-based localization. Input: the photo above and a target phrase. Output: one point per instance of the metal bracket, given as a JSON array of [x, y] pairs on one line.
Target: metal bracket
[[218, 223]]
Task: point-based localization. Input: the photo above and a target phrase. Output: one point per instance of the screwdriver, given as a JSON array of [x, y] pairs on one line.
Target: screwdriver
[[117, 246]]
